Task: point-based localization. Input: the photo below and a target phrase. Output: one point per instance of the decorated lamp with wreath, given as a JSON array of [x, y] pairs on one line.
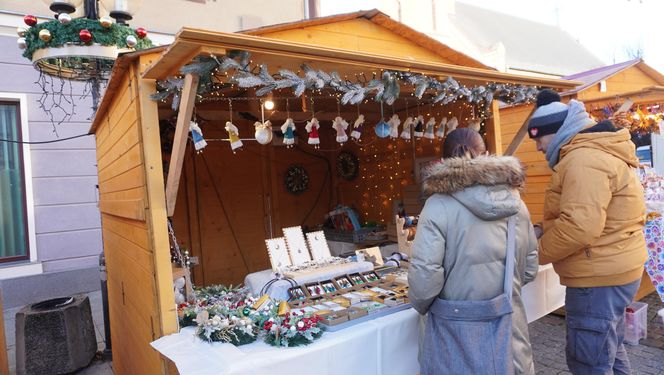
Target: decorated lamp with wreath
[[81, 48]]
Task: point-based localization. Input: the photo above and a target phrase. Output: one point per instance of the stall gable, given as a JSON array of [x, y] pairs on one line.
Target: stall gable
[[360, 35], [133, 222], [633, 78], [368, 31]]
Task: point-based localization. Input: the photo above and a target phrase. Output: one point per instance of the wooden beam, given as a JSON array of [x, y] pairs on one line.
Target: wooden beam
[[519, 136], [180, 140], [493, 132]]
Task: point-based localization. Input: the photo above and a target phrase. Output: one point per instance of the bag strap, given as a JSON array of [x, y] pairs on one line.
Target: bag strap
[[509, 259]]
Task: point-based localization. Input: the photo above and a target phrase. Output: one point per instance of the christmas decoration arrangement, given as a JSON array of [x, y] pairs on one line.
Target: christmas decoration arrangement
[[642, 120], [653, 188], [232, 315]]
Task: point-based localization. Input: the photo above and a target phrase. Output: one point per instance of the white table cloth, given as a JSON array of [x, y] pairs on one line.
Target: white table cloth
[[384, 346], [279, 290]]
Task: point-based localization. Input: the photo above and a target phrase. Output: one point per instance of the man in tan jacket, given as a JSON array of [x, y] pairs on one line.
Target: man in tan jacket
[[594, 213]]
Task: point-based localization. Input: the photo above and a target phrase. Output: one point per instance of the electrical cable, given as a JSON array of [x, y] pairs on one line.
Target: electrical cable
[[43, 142]]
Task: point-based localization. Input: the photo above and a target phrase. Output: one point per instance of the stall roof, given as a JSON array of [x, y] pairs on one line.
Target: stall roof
[[190, 43], [645, 95], [595, 76], [381, 19]]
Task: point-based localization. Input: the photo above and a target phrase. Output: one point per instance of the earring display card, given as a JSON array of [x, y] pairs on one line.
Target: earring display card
[[314, 289], [297, 245], [356, 279], [296, 293], [371, 276], [318, 245], [278, 252], [343, 282], [328, 287]]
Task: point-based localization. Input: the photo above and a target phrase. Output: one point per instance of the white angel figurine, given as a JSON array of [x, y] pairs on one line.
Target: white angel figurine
[[288, 129], [394, 126], [429, 129], [312, 128], [407, 125], [233, 136], [440, 133], [357, 127], [451, 125], [474, 124], [340, 125], [419, 127]]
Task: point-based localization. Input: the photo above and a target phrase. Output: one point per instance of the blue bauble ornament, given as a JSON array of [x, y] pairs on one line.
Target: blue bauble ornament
[[382, 129]]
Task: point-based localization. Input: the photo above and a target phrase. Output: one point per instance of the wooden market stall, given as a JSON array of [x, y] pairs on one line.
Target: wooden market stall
[[224, 205], [607, 86]]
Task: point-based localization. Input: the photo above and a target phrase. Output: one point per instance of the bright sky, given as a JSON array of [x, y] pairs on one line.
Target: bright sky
[[607, 27]]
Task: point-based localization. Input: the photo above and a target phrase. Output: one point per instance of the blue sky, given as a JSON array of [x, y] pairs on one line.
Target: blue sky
[[607, 27]]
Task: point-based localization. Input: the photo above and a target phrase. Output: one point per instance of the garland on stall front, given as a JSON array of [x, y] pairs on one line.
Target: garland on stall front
[[385, 88]]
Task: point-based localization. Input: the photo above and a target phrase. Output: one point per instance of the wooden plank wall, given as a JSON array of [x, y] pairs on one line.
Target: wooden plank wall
[[630, 79], [359, 35], [137, 301], [538, 174]]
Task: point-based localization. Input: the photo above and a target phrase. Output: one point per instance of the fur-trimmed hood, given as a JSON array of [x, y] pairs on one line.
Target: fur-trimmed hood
[[488, 186], [452, 175]]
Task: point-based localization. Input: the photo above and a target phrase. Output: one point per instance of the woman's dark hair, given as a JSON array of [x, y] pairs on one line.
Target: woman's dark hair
[[463, 142]]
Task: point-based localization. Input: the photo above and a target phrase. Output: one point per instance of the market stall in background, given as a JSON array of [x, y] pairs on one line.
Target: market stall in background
[[298, 153]]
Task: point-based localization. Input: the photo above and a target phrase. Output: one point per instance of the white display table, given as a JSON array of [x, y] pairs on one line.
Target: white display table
[[384, 346], [544, 295]]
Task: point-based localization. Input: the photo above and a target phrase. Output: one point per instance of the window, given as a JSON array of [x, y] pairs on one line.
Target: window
[[13, 214]]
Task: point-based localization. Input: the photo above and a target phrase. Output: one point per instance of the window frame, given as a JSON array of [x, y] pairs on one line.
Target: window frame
[[23, 265]]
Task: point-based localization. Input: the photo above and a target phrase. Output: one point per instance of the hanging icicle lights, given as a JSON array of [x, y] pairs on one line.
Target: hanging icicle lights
[[386, 87]]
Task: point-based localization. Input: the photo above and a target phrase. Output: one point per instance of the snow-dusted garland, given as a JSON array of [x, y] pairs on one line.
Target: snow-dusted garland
[[385, 89]]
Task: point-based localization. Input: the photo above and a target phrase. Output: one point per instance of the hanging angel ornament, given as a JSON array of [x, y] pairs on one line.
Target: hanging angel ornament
[[419, 127], [451, 125], [197, 136], [394, 126], [288, 129], [440, 132], [429, 129], [474, 124], [312, 128], [340, 125], [233, 136], [407, 125], [357, 128], [263, 133]]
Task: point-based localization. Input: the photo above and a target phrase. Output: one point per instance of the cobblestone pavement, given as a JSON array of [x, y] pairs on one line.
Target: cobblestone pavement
[[548, 339]]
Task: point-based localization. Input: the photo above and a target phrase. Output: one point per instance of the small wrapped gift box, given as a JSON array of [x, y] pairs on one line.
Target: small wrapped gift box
[[354, 313], [334, 318]]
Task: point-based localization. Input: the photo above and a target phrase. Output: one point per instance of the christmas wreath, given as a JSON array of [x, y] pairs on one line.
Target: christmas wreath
[[294, 329], [297, 180], [348, 165]]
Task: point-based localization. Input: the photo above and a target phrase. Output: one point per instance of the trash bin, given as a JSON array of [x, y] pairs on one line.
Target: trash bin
[[636, 322], [56, 336]]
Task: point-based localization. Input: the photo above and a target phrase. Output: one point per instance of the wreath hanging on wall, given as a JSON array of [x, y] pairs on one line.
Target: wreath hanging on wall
[[296, 180], [348, 165]]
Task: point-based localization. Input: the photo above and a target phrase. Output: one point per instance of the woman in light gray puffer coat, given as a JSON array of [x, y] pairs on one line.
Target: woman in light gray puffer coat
[[460, 244]]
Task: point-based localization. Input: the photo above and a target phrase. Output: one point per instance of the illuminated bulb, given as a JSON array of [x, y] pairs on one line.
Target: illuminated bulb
[[268, 104]]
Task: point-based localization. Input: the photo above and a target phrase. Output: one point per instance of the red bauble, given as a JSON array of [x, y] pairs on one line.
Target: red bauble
[[141, 33], [30, 20], [85, 35]]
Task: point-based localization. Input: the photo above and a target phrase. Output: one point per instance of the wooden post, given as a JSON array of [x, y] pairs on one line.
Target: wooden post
[[180, 140], [493, 132], [519, 136], [4, 361]]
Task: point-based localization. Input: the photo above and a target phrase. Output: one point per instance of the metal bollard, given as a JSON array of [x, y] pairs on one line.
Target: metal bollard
[[107, 354]]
